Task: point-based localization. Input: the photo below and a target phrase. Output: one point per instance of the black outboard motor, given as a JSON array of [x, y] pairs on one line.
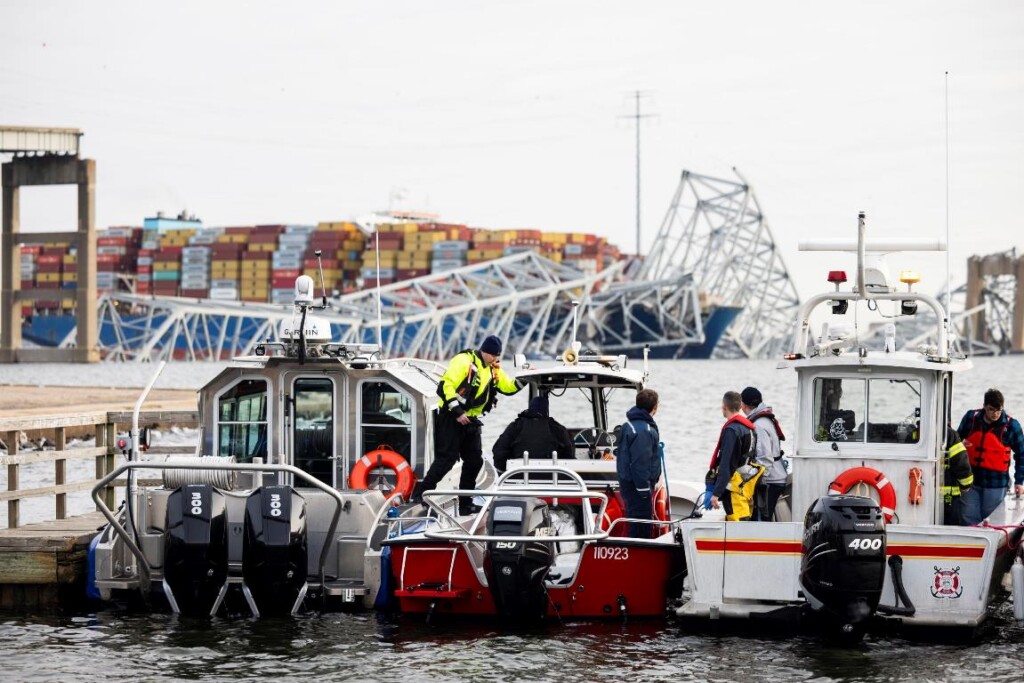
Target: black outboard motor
[[516, 570], [274, 551], [843, 566], [196, 547]]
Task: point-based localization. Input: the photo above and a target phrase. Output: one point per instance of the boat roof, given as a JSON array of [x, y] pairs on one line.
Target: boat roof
[[583, 374], [899, 360]]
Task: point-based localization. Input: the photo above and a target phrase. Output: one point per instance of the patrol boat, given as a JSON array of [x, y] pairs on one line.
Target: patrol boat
[[872, 422], [550, 540], [304, 447]]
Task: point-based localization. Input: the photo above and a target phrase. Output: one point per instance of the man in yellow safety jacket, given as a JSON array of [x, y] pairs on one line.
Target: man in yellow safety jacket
[[957, 477], [468, 390]]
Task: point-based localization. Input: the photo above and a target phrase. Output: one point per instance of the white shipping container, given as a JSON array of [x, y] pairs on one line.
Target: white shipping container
[[224, 294], [447, 264], [223, 284], [145, 260], [190, 251], [299, 229]]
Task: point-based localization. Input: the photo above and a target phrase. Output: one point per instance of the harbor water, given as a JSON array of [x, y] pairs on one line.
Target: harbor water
[[113, 645]]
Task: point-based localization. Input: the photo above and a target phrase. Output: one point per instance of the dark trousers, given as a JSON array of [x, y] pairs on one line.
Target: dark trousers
[[766, 496], [451, 442], [637, 507]]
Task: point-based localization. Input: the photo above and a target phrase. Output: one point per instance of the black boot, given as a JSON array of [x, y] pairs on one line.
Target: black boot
[[467, 506]]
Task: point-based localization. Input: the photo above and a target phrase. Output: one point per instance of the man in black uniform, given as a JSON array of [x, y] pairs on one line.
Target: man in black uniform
[[957, 479], [533, 432]]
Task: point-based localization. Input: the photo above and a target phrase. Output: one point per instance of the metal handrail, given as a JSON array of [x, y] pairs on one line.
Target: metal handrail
[[453, 534], [243, 467]]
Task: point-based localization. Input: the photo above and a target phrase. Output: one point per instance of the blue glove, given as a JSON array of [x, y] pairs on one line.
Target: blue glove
[[708, 490]]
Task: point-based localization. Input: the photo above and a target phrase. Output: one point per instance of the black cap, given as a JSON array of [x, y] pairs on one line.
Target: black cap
[[751, 397], [491, 345]]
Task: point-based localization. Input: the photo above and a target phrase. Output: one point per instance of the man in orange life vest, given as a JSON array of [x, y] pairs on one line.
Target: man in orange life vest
[[735, 446], [990, 435]]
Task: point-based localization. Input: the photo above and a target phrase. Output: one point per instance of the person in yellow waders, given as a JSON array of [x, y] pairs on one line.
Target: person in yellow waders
[[734, 468]]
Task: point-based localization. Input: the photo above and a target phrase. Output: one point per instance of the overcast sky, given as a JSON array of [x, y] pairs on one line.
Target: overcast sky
[[507, 114]]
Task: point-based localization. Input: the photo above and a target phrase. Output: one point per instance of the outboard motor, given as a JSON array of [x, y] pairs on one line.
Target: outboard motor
[[843, 567], [274, 550], [195, 547], [516, 570]]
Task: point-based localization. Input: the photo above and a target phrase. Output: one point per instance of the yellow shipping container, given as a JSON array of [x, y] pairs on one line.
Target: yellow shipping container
[[47, 277], [166, 265], [484, 254], [554, 237], [351, 265], [69, 277], [407, 228], [353, 245], [71, 259]]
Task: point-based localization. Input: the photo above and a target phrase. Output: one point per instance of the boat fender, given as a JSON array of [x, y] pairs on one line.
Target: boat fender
[[1017, 574], [867, 475], [384, 457]]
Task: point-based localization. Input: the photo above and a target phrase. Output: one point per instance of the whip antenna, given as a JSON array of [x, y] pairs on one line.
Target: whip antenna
[[320, 265], [949, 281], [380, 324]]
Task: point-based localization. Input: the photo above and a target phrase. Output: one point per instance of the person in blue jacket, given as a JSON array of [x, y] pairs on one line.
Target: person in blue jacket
[[638, 462]]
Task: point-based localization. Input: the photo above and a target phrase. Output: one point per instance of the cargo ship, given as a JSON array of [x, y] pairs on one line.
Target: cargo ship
[[178, 257]]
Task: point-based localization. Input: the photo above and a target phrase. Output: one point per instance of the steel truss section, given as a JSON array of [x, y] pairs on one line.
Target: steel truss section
[[525, 299], [714, 231]]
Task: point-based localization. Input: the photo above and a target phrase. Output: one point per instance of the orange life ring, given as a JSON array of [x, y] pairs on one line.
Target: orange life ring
[[661, 505], [612, 512], [867, 475], [383, 457]]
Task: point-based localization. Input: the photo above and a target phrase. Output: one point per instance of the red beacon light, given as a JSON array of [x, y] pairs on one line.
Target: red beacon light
[[837, 277]]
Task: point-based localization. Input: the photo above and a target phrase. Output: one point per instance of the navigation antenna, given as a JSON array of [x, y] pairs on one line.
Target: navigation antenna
[[380, 324], [323, 287], [637, 117], [949, 281]]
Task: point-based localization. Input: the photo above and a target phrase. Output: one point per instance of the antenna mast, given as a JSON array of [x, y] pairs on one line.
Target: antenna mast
[[637, 116]]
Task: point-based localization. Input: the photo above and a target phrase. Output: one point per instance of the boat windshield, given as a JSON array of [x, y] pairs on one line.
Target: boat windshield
[[867, 410]]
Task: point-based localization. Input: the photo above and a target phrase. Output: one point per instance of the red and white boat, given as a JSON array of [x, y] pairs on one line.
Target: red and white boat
[[871, 422], [550, 539]]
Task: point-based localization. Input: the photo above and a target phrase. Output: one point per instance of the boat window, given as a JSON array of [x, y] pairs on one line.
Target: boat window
[[837, 404], [894, 411], [314, 427], [385, 419], [867, 411], [573, 407], [242, 420]]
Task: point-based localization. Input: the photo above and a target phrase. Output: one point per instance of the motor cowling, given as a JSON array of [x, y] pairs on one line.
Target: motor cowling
[[274, 550], [843, 566], [516, 569], [195, 547]]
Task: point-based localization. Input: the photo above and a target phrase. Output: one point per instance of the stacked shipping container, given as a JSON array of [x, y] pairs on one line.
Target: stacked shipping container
[[260, 264]]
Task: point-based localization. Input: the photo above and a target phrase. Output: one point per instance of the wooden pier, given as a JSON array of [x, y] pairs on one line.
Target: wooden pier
[[43, 565]]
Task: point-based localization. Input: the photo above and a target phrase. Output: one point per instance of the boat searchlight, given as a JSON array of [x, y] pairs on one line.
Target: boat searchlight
[[838, 277], [909, 278]]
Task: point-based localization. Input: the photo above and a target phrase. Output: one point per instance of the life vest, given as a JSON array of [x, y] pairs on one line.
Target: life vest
[[744, 479], [985, 447], [468, 389]]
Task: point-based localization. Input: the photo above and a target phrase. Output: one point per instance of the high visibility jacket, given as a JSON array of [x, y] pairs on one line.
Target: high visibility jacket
[[957, 474], [985, 447], [470, 386]]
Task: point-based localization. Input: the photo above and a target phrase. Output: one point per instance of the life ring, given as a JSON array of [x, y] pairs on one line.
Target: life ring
[[612, 512], [383, 457], [661, 506], [866, 475]]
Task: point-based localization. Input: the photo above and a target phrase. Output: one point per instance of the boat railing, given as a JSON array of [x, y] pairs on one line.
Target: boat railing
[[133, 547], [456, 532]]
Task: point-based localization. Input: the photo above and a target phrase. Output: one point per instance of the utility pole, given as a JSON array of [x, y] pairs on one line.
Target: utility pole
[[637, 116]]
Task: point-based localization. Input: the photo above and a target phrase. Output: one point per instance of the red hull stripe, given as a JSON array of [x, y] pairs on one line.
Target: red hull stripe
[[773, 546], [783, 547], [946, 552]]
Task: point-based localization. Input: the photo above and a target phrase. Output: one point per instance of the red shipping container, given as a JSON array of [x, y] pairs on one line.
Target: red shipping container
[[195, 293], [286, 272], [27, 284], [170, 250], [409, 273], [49, 267], [221, 250], [269, 229], [143, 270], [281, 282], [113, 241], [327, 263], [47, 285], [50, 258], [263, 238], [238, 230], [34, 249], [256, 256], [389, 235], [108, 258]]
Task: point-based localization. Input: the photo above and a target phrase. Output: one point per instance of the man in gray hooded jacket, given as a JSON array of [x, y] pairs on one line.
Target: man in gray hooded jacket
[[769, 453]]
